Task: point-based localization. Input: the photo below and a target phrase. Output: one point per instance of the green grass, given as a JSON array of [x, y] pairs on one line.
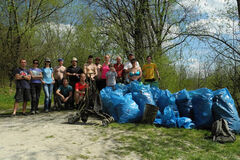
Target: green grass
[[7, 99], [172, 143]]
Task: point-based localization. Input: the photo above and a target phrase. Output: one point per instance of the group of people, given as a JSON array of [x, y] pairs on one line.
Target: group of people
[[68, 85]]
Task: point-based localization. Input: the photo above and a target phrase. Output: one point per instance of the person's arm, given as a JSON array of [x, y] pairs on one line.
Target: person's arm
[[96, 72], [76, 88], [126, 68], [107, 78], [64, 73], [53, 79], [36, 76], [68, 72], [85, 69], [156, 71], [58, 93], [140, 70], [27, 77], [18, 77]]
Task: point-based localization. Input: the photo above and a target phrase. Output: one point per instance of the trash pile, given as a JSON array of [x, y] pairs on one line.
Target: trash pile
[[184, 109]]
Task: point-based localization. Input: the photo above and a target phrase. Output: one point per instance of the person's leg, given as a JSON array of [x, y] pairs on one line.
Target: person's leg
[[24, 107], [26, 98], [15, 108], [34, 98], [76, 98], [58, 102], [38, 92], [18, 98], [50, 96], [46, 99]]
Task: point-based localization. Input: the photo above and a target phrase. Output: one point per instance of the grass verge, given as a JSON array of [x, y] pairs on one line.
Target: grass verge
[[172, 143], [7, 99]]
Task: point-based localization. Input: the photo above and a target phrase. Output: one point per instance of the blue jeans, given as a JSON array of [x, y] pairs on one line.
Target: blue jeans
[[48, 89]]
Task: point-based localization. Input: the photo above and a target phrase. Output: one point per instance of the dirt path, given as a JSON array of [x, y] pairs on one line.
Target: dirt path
[[47, 136]]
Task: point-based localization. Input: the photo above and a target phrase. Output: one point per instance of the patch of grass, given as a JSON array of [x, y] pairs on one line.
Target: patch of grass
[[172, 143], [75, 157], [7, 99], [52, 136]]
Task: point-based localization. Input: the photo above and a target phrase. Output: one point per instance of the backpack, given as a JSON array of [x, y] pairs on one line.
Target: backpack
[[221, 132]]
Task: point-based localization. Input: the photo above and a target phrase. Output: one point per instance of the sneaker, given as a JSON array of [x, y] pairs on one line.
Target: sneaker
[[46, 110], [24, 114], [13, 115], [32, 112], [37, 112]]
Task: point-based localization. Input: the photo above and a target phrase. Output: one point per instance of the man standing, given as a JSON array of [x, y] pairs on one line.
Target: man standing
[[128, 66], [22, 77], [90, 69], [64, 94], [148, 72], [119, 69], [73, 72], [58, 73]]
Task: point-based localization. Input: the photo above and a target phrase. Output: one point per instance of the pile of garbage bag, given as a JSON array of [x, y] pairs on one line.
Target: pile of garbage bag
[[184, 109]]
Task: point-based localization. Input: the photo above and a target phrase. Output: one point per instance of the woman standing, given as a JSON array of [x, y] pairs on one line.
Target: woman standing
[[104, 70], [47, 81], [36, 74], [135, 73]]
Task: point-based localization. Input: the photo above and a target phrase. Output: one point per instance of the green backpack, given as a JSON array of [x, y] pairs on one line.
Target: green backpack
[[221, 132]]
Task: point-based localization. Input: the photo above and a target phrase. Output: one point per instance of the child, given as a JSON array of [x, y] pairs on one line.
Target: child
[[111, 76], [80, 89]]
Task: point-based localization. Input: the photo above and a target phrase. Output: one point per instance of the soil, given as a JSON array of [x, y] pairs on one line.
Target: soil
[[49, 136]]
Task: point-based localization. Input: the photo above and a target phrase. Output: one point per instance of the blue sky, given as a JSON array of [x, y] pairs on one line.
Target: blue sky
[[197, 53]]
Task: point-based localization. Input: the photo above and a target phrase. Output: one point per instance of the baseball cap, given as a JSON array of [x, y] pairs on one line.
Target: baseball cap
[[60, 59], [74, 59], [47, 59]]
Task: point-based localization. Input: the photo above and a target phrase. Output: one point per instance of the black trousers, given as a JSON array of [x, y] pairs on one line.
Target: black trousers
[[35, 95], [55, 87], [60, 103]]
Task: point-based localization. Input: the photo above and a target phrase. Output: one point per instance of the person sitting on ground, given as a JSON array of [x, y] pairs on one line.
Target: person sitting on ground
[[135, 73], [80, 89], [22, 77], [127, 68], [64, 94], [119, 69], [90, 69], [148, 72], [111, 76]]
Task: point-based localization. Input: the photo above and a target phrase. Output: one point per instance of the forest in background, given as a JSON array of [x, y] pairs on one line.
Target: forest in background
[[168, 30]]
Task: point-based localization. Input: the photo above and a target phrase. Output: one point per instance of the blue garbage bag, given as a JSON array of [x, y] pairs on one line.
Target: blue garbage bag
[[202, 107], [224, 107], [110, 100], [122, 87], [143, 97], [158, 121], [185, 122], [105, 98], [184, 103], [168, 118], [156, 92], [165, 98], [136, 86], [127, 109]]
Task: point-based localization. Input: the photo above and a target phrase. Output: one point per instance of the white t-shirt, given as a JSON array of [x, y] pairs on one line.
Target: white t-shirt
[[128, 65]]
